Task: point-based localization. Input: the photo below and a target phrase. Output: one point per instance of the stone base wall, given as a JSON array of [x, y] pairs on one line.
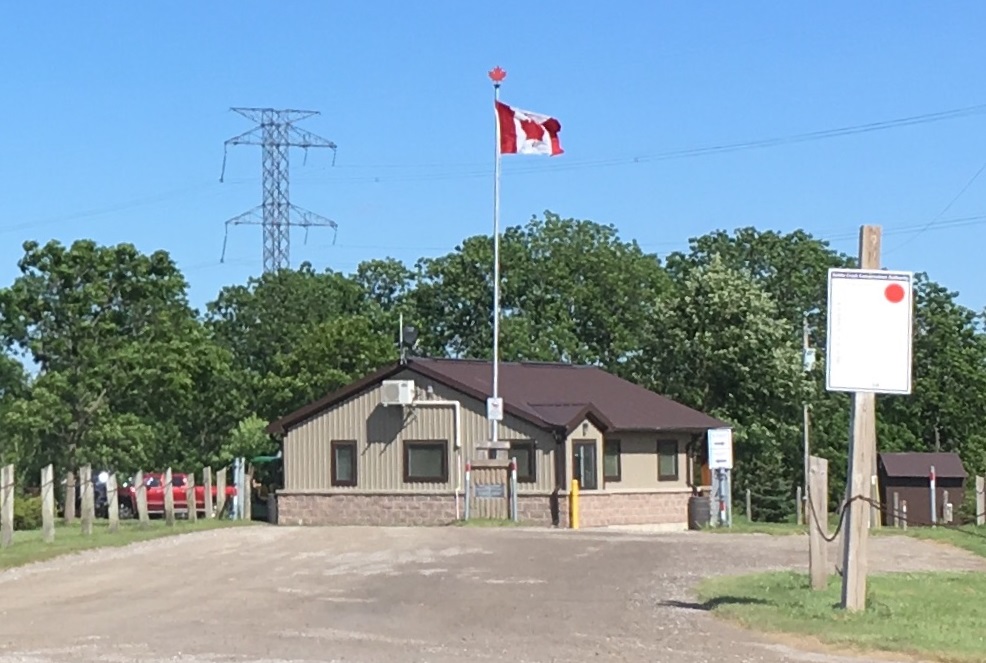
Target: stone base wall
[[602, 509], [546, 510], [356, 509], [595, 509]]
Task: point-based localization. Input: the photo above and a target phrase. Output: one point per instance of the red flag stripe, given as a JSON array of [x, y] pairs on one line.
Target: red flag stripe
[[508, 130]]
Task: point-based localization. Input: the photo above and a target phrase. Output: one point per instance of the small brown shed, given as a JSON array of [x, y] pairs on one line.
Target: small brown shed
[[909, 475]]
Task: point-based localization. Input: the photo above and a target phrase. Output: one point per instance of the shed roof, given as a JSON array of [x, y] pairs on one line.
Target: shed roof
[[549, 395], [914, 464]]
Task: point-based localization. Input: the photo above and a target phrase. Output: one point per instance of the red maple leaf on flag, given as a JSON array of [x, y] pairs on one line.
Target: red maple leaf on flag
[[532, 130]]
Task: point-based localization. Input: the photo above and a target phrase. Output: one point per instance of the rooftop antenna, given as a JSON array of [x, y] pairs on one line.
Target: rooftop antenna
[[408, 336]]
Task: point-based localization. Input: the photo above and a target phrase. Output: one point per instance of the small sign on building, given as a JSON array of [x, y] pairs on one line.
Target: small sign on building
[[720, 448], [494, 409], [870, 323]]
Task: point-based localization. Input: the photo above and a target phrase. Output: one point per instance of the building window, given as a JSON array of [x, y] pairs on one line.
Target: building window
[[426, 461], [343, 463], [667, 460], [522, 451], [584, 464], [612, 469]]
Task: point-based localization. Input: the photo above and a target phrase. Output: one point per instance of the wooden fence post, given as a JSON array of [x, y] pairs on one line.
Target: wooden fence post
[[818, 522], [70, 490], [799, 506], [88, 501], [220, 490], [169, 498], [903, 514], [6, 506], [876, 517], [113, 499], [981, 501], [749, 503], [896, 509], [191, 504], [48, 503], [207, 492], [140, 489]]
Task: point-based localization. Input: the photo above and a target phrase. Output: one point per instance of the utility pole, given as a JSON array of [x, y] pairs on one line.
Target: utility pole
[[862, 461], [277, 134], [808, 362]]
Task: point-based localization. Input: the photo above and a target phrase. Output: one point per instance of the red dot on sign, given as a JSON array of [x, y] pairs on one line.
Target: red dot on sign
[[894, 293]]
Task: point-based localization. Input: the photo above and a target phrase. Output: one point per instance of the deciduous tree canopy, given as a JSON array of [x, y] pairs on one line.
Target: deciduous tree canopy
[[104, 361]]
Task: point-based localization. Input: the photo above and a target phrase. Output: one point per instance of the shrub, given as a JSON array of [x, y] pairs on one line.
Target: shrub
[[27, 512]]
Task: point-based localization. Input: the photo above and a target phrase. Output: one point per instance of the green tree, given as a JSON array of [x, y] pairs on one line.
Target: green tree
[[387, 282], [944, 410], [294, 335], [247, 440], [572, 290], [718, 344], [114, 340]]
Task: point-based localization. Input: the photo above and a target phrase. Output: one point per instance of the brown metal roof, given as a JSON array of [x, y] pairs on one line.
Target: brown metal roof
[[549, 395], [914, 464]]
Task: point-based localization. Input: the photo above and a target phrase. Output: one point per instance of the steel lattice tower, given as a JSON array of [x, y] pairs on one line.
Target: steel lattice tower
[[276, 134]]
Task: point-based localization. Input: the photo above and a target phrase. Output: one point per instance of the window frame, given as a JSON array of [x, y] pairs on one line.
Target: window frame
[[619, 461], [664, 444], [531, 446], [333, 477], [412, 444]]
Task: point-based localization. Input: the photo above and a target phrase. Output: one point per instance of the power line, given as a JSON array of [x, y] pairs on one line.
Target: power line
[[947, 207], [481, 171], [478, 170]]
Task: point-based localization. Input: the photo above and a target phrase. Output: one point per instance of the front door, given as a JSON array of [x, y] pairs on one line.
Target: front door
[[584, 464]]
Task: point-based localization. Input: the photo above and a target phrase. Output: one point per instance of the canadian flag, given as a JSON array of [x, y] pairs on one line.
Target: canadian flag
[[524, 132]]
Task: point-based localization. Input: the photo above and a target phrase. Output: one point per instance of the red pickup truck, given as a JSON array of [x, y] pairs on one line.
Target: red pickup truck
[[155, 496]]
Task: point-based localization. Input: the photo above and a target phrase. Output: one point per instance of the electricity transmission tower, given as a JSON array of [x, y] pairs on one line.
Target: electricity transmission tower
[[276, 133]]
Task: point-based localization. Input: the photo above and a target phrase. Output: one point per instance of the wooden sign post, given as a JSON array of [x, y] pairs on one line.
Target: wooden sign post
[[870, 328]]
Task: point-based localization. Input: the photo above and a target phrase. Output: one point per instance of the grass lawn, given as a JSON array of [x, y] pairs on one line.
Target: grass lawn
[[743, 526], [28, 546], [939, 616], [969, 537]]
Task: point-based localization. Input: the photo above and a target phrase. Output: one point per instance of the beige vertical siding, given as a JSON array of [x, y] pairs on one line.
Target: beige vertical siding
[[638, 462], [380, 431]]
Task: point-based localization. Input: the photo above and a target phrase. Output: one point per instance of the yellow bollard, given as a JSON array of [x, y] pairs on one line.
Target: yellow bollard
[[573, 510]]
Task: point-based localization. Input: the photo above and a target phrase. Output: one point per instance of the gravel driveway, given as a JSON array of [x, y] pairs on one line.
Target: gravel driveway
[[372, 595]]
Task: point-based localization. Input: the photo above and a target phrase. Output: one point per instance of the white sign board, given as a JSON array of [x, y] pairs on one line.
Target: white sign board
[[720, 448], [870, 320], [494, 409]]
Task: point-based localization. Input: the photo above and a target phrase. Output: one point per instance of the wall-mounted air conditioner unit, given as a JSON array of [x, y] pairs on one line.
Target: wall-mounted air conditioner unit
[[397, 392]]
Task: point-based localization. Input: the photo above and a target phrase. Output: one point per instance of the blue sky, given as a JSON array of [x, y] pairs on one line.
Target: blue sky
[[115, 113]]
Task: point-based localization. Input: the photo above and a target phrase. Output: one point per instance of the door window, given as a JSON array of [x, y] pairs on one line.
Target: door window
[[584, 464]]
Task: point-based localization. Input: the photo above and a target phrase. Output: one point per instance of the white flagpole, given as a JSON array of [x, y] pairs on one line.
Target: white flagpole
[[496, 75]]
